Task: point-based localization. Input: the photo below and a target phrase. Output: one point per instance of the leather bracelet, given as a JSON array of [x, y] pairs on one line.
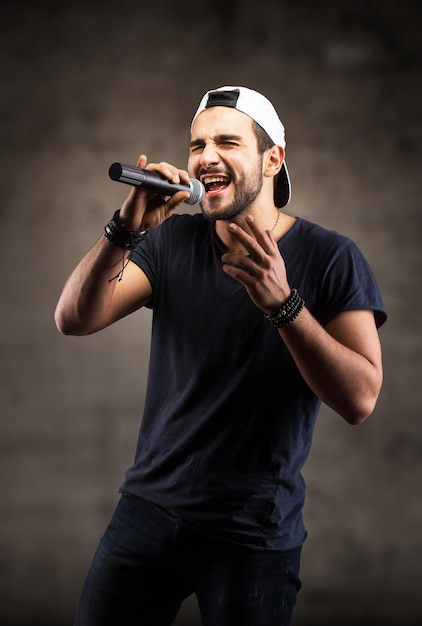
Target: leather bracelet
[[287, 312], [120, 236]]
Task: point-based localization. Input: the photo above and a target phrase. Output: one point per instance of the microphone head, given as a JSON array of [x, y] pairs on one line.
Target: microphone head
[[197, 191]]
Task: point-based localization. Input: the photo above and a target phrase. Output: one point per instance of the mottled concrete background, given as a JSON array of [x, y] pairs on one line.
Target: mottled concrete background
[[84, 84]]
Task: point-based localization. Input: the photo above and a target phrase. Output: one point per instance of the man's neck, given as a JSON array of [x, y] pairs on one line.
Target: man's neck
[[272, 219]]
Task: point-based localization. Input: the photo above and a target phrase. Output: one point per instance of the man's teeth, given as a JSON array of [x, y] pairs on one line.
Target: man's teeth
[[215, 179]]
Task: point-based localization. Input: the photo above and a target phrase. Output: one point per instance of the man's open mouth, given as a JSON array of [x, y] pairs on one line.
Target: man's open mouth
[[215, 182]]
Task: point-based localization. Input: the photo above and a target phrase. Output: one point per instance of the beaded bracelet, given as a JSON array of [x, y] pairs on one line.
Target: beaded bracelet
[[120, 236], [288, 312]]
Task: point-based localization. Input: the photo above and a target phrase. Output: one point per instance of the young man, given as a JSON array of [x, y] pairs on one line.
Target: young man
[[257, 318]]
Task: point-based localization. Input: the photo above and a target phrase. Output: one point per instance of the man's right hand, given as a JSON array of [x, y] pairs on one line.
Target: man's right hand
[[144, 209]]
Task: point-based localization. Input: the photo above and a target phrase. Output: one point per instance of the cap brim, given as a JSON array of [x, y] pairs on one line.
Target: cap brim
[[282, 191]]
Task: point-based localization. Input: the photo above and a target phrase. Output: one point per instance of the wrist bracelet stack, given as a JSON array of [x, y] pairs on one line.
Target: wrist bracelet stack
[[288, 312], [120, 236]]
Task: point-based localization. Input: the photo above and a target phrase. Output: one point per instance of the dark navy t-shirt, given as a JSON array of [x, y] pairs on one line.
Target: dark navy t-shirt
[[228, 418]]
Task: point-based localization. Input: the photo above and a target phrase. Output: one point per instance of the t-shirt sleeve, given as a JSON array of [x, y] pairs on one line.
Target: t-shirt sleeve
[[147, 256], [143, 257], [349, 285]]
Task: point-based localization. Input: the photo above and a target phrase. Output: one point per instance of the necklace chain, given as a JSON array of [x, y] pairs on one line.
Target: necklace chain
[[276, 222]]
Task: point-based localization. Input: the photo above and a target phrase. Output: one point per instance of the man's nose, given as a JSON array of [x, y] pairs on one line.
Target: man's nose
[[209, 155]]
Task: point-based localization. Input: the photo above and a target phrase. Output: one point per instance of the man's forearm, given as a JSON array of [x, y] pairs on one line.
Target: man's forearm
[[341, 376], [86, 296]]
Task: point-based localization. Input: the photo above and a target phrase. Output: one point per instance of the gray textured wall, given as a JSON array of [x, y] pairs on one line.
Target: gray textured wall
[[83, 85]]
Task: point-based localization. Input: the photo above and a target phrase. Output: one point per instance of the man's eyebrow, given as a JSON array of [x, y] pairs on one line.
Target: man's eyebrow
[[228, 138], [217, 139], [196, 142]]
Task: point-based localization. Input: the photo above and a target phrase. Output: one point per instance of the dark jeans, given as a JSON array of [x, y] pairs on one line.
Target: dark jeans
[[147, 564]]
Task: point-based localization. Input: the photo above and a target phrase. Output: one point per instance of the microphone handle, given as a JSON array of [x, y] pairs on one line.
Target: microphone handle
[[137, 178]]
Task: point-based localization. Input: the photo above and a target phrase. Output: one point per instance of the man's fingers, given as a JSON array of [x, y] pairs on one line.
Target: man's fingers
[[142, 161], [258, 245], [264, 237]]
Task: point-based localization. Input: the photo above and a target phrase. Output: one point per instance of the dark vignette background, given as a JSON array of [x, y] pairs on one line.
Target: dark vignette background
[[84, 84]]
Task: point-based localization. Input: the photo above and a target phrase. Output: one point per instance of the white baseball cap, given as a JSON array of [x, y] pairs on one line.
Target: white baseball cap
[[260, 109]]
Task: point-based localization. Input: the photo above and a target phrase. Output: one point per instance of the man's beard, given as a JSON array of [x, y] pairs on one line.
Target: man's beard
[[246, 192]]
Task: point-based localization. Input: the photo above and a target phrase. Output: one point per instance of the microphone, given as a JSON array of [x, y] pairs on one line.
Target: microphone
[[151, 180]]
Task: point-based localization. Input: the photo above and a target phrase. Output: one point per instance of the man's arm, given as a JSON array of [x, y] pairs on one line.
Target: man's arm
[[91, 300], [341, 363]]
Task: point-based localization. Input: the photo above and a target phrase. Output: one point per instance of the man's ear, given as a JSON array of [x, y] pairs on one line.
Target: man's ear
[[273, 160]]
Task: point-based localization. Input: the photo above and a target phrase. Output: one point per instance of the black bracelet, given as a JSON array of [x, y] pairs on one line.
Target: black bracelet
[[120, 236], [288, 312]]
